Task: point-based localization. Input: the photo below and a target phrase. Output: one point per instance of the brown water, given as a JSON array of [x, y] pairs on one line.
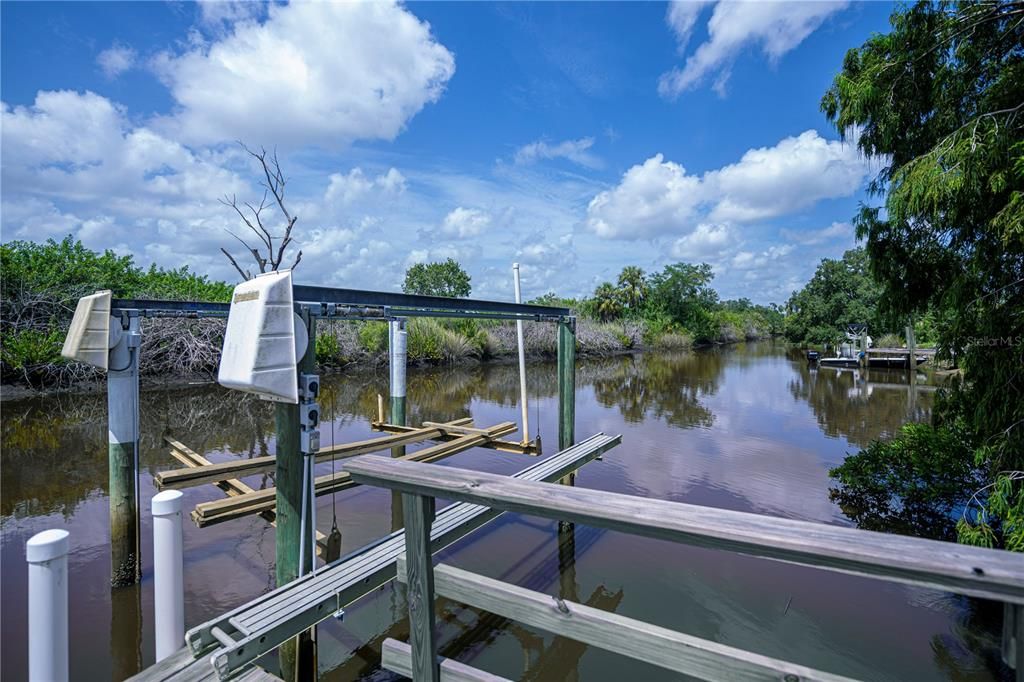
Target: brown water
[[749, 428]]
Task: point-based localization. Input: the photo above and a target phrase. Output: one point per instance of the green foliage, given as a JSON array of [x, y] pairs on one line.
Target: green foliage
[[425, 340], [911, 484], [328, 350], [373, 337], [42, 283], [889, 341], [607, 302], [632, 285], [21, 349], [938, 102], [437, 279], [998, 520], [841, 292], [683, 293]]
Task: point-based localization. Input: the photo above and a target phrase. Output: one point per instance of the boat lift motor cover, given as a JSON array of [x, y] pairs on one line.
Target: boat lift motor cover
[[91, 335], [264, 339]]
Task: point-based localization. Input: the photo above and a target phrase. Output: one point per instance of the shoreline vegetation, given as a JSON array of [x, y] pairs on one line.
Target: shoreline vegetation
[[672, 310]]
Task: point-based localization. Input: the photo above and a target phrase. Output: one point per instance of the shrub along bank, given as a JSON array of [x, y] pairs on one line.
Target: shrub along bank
[[41, 284]]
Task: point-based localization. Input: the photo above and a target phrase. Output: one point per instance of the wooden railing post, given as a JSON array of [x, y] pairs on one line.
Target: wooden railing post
[[419, 514]]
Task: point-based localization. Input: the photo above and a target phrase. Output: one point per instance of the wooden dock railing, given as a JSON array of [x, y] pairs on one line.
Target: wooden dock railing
[[973, 571]]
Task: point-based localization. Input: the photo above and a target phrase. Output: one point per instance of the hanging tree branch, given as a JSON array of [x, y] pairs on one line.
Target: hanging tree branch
[[267, 254]]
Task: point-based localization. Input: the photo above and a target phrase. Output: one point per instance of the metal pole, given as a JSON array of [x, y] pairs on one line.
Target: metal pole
[[168, 574], [47, 556], [522, 361], [123, 439]]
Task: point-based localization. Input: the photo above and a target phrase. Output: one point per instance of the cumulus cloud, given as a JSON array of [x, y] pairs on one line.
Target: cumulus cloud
[[774, 27], [707, 242], [355, 185], [310, 72], [660, 197], [81, 146], [116, 59], [576, 151], [654, 197], [465, 222]]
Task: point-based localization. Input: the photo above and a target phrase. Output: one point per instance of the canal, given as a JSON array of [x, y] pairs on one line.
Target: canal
[[748, 427]]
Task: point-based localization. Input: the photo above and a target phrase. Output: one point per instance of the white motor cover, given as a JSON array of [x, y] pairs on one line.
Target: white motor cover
[[89, 338], [260, 354]]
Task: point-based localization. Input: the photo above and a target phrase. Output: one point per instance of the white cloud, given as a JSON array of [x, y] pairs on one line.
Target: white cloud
[[681, 17], [349, 188], [836, 232], [795, 173], [775, 27], [324, 73], [576, 151], [659, 197], [654, 197], [465, 222], [707, 241], [116, 59]]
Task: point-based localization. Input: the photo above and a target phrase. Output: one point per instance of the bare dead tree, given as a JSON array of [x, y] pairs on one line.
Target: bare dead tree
[[270, 252]]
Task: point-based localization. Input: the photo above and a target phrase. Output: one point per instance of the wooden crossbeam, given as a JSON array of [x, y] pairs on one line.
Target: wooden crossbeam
[[232, 486], [257, 502], [532, 448], [212, 473]]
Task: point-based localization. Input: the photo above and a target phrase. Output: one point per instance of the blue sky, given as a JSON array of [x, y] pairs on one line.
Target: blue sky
[[575, 138]]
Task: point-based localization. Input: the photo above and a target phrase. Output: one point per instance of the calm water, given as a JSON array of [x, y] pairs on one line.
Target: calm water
[[749, 428]]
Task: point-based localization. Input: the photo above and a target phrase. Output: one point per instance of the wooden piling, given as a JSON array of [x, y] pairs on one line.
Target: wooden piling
[[397, 359], [123, 456], [566, 383], [297, 656]]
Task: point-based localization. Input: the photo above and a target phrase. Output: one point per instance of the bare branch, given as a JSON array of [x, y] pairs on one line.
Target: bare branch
[[245, 275]]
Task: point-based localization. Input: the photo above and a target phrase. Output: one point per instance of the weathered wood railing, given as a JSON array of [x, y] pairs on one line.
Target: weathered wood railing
[[990, 574]]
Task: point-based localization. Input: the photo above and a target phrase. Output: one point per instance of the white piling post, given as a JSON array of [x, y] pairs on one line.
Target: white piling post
[[168, 574], [47, 556], [522, 360], [398, 352]]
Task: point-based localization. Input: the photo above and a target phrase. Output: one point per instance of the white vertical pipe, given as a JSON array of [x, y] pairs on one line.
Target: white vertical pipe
[[47, 556], [522, 360], [399, 354], [168, 574]]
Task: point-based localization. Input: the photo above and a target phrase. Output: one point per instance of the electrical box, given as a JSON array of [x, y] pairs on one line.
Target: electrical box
[[264, 339], [309, 386], [309, 415], [92, 334], [309, 441]]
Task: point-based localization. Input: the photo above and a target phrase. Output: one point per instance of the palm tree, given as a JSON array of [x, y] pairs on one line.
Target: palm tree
[[608, 302], [633, 286]]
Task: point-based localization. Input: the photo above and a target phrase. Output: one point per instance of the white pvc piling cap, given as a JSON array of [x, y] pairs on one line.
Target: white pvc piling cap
[[167, 503], [46, 546]]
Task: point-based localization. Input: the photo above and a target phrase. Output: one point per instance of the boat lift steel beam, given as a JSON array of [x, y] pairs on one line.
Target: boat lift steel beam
[[356, 304]]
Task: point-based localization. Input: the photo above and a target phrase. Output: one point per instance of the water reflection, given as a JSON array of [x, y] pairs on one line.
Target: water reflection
[[749, 428], [862, 405]]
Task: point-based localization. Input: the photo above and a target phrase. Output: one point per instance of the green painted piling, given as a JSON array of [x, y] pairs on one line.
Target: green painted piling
[[298, 655], [566, 383]]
